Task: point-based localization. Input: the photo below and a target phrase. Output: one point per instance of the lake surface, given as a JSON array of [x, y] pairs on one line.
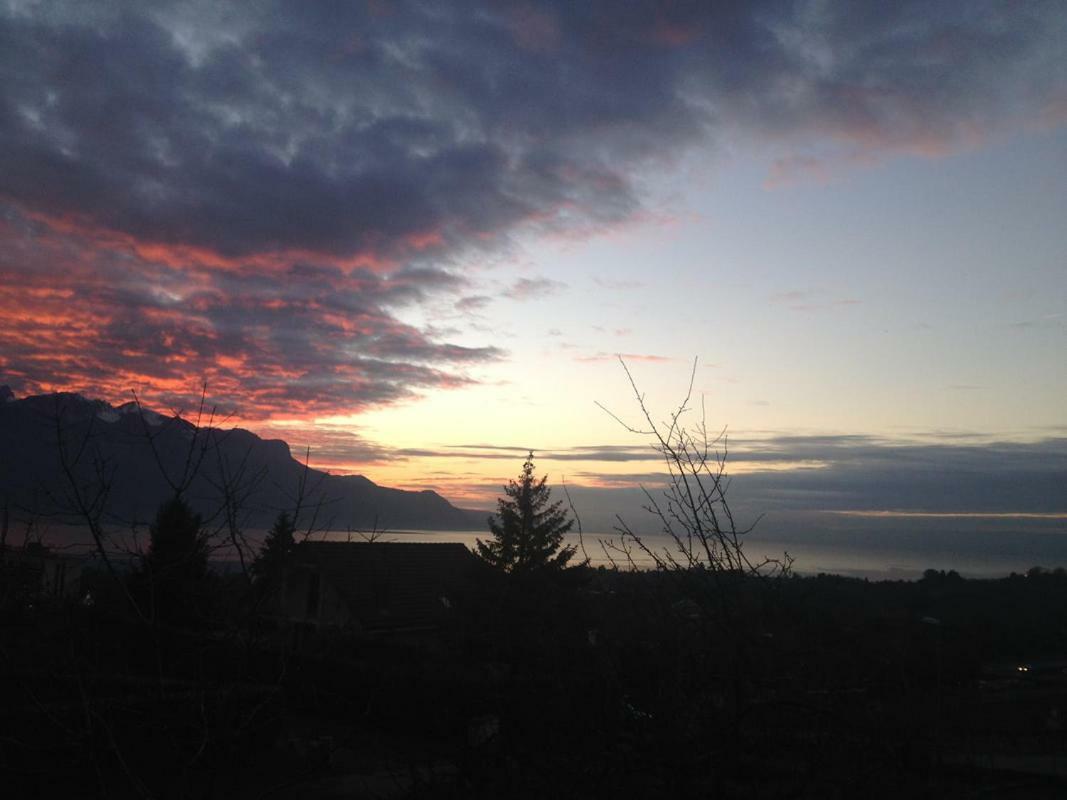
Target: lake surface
[[891, 554], [883, 557]]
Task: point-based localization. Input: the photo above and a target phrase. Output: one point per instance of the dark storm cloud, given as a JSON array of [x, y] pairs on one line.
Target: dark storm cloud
[[385, 128], [339, 133], [249, 191]]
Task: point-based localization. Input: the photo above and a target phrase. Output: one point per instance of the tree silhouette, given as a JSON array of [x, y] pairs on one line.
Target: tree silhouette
[[178, 549], [528, 528], [277, 548], [176, 562]]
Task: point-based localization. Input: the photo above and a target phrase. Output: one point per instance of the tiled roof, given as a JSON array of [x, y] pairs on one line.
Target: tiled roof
[[392, 584]]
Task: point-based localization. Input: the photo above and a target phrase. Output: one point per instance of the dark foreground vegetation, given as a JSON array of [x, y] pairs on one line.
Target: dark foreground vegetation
[[533, 675], [575, 683]]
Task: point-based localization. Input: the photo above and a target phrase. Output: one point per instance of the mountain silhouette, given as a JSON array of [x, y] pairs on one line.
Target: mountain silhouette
[[141, 454]]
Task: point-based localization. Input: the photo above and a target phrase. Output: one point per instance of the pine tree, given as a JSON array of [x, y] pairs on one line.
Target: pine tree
[[175, 567], [177, 550], [528, 528], [277, 548]]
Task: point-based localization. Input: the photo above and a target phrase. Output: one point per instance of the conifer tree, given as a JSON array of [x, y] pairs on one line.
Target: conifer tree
[[277, 548], [528, 528], [175, 567], [177, 550]]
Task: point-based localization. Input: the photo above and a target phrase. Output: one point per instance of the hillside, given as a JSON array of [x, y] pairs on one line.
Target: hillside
[[139, 453]]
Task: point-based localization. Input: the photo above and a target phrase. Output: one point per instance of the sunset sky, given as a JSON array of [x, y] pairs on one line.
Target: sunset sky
[[417, 236]]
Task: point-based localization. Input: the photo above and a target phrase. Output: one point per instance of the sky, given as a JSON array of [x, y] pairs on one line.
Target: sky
[[419, 237]]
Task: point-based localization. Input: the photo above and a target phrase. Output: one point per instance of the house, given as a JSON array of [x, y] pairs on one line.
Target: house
[[374, 587], [33, 573]]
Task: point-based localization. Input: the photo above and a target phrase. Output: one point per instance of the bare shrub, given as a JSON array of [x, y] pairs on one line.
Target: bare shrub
[[692, 508]]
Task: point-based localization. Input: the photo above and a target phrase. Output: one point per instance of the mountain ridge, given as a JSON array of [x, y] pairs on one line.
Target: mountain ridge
[[140, 455]]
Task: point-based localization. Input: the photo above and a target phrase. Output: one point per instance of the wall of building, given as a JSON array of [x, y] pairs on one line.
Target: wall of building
[[307, 597]]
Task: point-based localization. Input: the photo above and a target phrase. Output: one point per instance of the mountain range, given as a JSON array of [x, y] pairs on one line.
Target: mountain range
[[55, 448]]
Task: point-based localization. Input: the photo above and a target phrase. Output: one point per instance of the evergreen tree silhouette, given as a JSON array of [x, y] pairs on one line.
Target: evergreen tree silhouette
[[177, 551], [277, 548], [528, 528], [176, 562]]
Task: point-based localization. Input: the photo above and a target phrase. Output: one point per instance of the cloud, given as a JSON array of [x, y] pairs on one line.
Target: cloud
[[811, 300], [791, 169], [246, 194], [849, 484], [342, 131], [473, 303], [332, 447], [602, 453], [646, 357], [1046, 321], [861, 473], [967, 494], [610, 283], [533, 288], [842, 472], [311, 338]]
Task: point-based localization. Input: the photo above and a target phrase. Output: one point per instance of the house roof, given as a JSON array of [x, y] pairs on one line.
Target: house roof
[[391, 584]]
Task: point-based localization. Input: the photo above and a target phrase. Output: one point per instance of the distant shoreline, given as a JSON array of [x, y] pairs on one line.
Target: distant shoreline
[[851, 557]]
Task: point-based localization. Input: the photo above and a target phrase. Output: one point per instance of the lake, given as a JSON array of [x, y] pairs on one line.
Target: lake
[[887, 554], [881, 557]]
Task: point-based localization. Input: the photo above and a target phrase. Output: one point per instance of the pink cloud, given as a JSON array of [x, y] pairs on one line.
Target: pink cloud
[[99, 316]]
